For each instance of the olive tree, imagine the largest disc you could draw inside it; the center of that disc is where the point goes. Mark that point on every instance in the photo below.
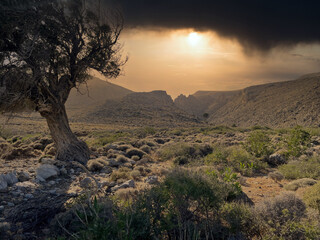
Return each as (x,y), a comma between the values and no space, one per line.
(48,47)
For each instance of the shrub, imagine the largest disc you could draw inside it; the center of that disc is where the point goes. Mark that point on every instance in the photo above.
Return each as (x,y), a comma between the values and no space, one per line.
(96,164)
(183,151)
(301,169)
(235,157)
(284,207)
(276,176)
(122,174)
(312,197)
(241,220)
(300,183)
(297,141)
(258,143)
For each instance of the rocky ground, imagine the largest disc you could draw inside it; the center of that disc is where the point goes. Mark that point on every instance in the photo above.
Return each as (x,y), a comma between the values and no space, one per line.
(34,187)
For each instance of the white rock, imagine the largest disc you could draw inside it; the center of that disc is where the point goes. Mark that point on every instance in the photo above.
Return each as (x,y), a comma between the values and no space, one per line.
(46,171)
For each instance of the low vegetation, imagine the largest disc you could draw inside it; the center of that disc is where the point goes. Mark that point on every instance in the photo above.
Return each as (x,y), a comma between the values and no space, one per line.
(187,183)
(297,169)
(188,205)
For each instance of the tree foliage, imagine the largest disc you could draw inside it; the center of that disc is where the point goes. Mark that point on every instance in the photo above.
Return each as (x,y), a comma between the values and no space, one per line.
(48,47)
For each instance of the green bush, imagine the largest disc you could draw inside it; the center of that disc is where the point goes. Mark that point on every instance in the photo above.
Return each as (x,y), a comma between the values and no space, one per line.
(284,217)
(187,205)
(182,153)
(259,144)
(301,169)
(235,157)
(241,220)
(297,141)
(312,197)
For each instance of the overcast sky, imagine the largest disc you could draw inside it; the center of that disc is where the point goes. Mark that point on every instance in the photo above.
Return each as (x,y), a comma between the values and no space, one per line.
(183,46)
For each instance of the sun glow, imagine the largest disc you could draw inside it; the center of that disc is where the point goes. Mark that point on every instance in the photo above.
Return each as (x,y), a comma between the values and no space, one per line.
(194,39)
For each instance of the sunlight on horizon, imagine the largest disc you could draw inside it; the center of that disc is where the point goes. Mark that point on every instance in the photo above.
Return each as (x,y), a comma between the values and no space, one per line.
(185,61)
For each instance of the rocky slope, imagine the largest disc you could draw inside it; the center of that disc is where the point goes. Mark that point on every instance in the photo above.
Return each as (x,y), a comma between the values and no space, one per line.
(94,94)
(279,104)
(154,108)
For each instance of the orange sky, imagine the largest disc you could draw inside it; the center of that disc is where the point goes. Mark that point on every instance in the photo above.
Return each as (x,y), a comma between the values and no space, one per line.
(178,62)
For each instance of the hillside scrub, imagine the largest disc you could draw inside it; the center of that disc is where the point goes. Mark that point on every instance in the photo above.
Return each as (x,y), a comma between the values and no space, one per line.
(186,205)
(183,153)
(297,141)
(312,197)
(236,158)
(297,169)
(259,144)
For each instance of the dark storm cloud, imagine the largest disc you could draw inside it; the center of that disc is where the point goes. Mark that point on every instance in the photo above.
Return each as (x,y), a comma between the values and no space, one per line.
(256,24)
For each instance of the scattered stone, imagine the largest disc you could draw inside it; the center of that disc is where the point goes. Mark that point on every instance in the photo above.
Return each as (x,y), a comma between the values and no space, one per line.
(53,191)
(3,184)
(127,184)
(11,178)
(28,196)
(113,163)
(1,208)
(23,176)
(86,183)
(152,180)
(106,170)
(276,159)
(46,171)
(51,182)
(63,171)
(10,204)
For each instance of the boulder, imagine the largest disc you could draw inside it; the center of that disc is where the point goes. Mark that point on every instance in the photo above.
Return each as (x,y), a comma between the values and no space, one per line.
(23,176)
(276,159)
(46,171)
(11,178)
(127,184)
(86,183)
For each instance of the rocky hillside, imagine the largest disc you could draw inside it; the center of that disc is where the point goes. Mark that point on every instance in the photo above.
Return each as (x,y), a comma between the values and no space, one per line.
(154,108)
(94,94)
(276,104)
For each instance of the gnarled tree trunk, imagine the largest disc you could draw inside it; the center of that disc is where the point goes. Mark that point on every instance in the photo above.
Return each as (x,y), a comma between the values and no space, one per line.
(69,147)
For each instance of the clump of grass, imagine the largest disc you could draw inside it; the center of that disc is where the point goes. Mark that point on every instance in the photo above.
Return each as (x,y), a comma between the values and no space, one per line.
(312,197)
(235,157)
(146,131)
(300,183)
(301,169)
(122,174)
(103,138)
(183,153)
(96,164)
